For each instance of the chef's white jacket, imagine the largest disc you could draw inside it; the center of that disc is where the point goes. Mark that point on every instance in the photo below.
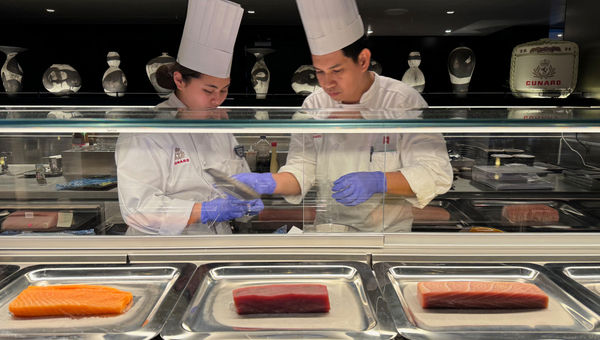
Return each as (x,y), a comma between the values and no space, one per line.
(319,159)
(161,177)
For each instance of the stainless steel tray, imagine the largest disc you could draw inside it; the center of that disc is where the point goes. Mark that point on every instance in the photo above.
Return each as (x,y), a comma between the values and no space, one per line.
(155,289)
(490,212)
(591,207)
(206,309)
(6,270)
(581,279)
(565,317)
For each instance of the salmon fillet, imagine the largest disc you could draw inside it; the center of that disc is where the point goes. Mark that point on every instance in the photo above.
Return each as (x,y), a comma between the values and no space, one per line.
(282,298)
(67,300)
(480,295)
(530,213)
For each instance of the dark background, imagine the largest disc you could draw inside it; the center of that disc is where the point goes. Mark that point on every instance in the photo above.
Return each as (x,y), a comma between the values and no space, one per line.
(84,46)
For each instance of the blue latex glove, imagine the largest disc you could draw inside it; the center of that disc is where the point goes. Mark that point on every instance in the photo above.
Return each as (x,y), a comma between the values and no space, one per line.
(357,187)
(225,209)
(262,183)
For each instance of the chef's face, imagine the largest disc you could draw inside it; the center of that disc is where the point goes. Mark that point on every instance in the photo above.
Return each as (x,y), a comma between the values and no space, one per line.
(342,78)
(204,92)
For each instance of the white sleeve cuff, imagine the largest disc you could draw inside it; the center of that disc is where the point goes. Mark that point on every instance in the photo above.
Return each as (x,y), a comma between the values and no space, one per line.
(424,188)
(298,174)
(176,218)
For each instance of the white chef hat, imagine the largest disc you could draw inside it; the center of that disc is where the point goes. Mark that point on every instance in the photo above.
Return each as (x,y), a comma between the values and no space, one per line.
(211,27)
(330,25)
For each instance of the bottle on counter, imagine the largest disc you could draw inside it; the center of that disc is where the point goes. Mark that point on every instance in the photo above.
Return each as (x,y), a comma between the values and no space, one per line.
(251,159)
(79,139)
(263,158)
(274,165)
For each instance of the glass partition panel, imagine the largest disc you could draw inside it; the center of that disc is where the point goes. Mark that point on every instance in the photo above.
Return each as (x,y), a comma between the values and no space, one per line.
(138,171)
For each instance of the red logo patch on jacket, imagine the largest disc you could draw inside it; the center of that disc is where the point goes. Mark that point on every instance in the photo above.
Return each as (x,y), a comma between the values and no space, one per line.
(180,157)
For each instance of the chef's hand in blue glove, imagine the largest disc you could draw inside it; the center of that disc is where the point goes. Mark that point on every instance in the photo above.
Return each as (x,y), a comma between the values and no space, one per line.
(262,183)
(225,209)
(357,187)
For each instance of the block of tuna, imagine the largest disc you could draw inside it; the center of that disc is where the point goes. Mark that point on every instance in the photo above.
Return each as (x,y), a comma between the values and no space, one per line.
(282,298)
(31,221)
(306,214)
(480,295)
(431,214)
(69,300)
(523,213)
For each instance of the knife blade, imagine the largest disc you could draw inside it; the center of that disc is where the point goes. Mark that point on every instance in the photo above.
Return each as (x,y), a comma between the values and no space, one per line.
(232,186)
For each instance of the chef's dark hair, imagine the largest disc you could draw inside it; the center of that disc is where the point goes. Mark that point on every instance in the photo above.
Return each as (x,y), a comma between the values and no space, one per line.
(353,50)
(164,75)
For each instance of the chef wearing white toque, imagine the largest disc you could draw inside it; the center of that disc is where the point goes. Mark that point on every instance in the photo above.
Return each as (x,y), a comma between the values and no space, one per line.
(352,172)
(163,188)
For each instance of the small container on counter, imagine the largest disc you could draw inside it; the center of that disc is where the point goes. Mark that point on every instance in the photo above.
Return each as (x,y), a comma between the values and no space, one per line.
(251,159)
(500,159)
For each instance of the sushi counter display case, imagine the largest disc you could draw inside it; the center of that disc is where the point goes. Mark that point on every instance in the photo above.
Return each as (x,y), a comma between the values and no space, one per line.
(369,285)
(382,301)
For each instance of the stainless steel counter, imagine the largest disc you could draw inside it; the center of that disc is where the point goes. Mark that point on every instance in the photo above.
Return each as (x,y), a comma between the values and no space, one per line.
(22,189)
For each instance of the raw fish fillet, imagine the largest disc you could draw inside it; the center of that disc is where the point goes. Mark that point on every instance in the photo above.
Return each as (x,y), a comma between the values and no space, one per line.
(282,298)
(306,214)
(480,295)
(38,221)
(530,213)
(67,300)
(429,213)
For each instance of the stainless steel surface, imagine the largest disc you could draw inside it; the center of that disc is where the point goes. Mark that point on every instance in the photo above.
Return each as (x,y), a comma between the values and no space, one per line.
(206,309)
(26,189)
(30,147)
(588,206)
(561,187)
(88,162)
(232,186)
(565,317)
(57,206)
(582,279)
(6,271)
(155,290)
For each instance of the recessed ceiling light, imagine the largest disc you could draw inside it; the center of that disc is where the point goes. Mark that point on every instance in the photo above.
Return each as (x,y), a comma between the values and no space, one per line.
(251,12)
(395,11)
(369,30)
(450,12)
(50,10)
(448,31)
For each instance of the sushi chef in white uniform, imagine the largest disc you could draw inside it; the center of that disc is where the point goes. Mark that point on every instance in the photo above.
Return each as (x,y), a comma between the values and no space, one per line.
(163,188)
(352,172)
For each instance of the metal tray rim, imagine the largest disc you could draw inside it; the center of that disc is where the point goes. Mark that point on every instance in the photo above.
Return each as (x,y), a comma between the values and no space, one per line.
(578,290)
(411,331)
(148,329)
(384,328)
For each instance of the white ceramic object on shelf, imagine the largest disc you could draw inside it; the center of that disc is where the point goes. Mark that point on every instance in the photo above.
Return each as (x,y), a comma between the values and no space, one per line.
(260,74)
(375,66)
(114,81)
(11,72)
(414,76)
(304,80)
(461,64)
(544,69)
(61,80)
(152,66)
